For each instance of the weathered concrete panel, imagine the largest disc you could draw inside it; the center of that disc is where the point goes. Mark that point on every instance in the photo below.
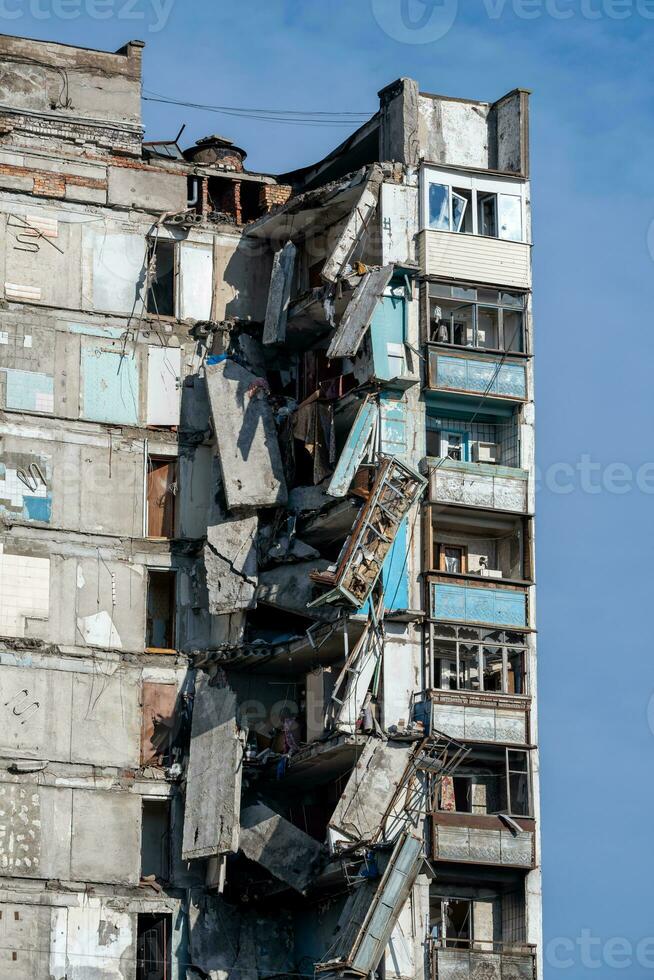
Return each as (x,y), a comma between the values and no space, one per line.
(115,274)
(213,781)
(250,460)
(146,189)
(280,847)
(106,837)
(25,941)
(110,382)
(35,830)
(105,718)
(35,713)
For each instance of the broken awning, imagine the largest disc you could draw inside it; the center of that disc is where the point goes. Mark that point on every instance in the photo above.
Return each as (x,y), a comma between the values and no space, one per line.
(359,312)
(213,781)
(248,447)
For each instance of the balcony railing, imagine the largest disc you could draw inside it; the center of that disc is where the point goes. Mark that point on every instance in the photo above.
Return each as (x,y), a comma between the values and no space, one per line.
(477,601)
(477,716)
(493,961)
(471,838)
(477,374)
(474,258)
(452,481)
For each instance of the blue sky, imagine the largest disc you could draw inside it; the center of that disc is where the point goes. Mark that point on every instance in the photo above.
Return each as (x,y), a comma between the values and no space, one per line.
(592,149)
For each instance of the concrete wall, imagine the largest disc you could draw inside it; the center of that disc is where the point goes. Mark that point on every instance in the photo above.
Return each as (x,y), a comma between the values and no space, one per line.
(49,831)
(64,936)
(65,710)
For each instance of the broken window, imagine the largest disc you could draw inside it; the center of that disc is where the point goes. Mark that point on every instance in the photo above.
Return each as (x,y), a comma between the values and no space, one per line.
(155,839)
(517,769)
(450,922)
(160,614)
(494,779)
(153,946)
(160,298)
(495,662)
(488,319)
(161,495)
(476,206)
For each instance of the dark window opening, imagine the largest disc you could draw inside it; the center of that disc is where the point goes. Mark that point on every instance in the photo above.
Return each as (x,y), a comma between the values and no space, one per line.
(250,201)
(153,952)
(161,493)
(160,618)
(225,200)
(161,278)
(451,922)
(155,839)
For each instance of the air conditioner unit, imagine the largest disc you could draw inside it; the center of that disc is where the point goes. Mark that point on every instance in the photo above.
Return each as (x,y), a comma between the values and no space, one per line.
(485,452)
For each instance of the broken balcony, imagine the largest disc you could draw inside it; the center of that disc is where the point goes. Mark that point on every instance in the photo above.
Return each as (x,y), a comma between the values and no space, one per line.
(478,925)
(483,813)
(479,684)
(475,461)
(468,554)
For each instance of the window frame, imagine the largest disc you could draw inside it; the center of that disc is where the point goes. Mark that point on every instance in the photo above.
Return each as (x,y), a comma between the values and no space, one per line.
(475,305)
(479,186)
(482,644)
(526,772)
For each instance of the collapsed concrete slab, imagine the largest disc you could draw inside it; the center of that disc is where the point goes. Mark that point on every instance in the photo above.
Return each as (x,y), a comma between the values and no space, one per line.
(369,792)
(277,845)
(356,319)
(289,588)
(248,447)
(213,781)
(230,561)
(355,226)
(274,328)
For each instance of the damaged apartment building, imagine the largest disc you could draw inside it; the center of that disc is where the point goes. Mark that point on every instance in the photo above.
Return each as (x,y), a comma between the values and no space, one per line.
(267,648)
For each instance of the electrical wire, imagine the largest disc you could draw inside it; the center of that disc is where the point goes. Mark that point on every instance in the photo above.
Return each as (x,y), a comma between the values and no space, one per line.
(298,117)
